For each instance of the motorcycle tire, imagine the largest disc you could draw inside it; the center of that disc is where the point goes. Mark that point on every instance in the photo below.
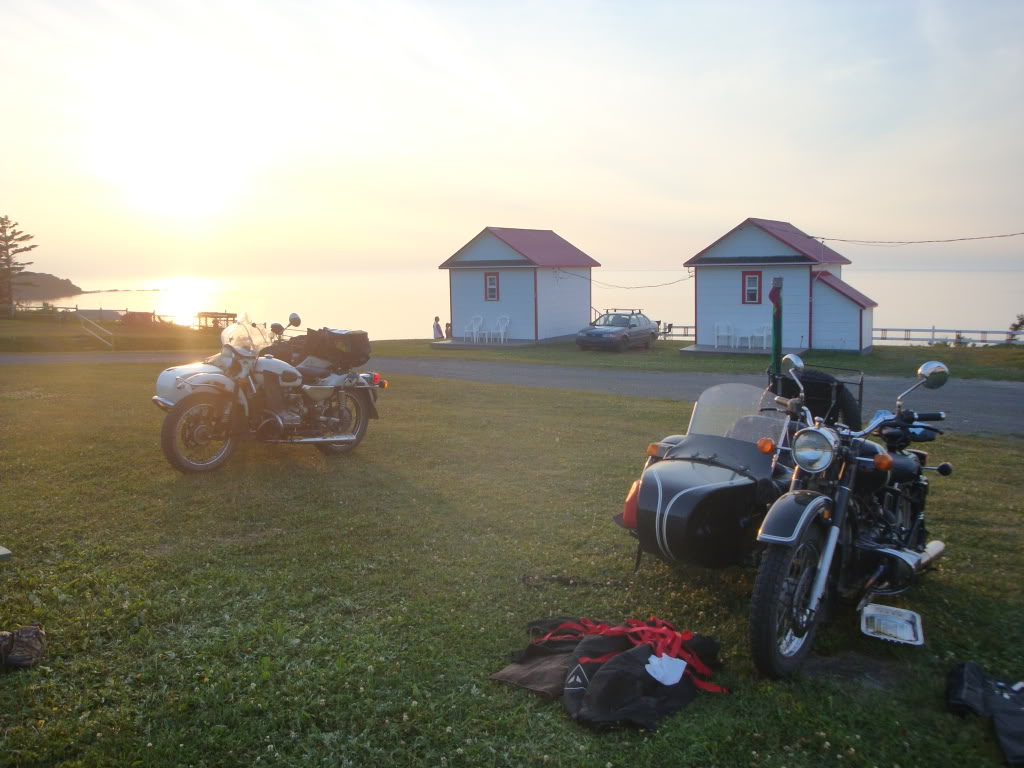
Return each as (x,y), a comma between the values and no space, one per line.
(189,437)
(785,576)
(360,422)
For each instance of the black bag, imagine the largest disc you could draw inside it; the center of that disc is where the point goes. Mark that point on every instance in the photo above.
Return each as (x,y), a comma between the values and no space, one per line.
(969,689)
(347,349)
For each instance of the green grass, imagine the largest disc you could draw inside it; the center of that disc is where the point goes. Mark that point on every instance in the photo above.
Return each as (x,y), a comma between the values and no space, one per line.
(50,334)
(997,362)
(297,610)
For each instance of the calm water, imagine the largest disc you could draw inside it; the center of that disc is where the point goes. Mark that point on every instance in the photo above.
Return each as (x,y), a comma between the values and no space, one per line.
(401,304)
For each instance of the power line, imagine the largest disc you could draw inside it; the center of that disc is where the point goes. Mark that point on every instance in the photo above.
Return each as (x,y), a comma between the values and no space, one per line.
(914,242)
(623,287)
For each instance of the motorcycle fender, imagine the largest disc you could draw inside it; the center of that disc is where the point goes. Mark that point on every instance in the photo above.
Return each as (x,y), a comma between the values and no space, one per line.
(208,382)
(789,517)
(371,401)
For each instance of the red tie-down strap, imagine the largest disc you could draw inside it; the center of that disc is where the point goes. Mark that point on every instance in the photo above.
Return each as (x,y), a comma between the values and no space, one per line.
(663,638)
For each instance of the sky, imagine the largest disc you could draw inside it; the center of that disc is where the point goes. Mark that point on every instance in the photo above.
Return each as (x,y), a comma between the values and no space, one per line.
(143,139)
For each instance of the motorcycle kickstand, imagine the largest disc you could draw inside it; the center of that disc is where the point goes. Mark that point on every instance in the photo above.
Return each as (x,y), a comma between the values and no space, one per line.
(639,554)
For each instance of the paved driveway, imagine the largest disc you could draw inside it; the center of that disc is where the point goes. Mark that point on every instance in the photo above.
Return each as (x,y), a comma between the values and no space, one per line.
(974,406)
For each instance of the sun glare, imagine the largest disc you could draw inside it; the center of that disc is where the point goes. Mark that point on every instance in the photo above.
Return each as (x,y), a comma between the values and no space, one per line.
(179,299)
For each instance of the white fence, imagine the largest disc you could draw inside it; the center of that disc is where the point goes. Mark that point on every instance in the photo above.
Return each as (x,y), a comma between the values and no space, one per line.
(935,335)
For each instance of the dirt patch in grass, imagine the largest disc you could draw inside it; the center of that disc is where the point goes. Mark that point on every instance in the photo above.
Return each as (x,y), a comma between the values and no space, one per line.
(857,669)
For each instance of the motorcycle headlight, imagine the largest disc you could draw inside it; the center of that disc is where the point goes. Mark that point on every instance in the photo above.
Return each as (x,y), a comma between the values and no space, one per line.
(814,449)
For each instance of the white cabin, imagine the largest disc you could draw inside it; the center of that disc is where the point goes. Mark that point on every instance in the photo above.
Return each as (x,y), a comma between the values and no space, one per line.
(734,274)
(535,278)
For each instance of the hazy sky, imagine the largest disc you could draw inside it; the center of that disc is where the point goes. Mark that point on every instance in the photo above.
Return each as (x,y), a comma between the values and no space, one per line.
(149,139)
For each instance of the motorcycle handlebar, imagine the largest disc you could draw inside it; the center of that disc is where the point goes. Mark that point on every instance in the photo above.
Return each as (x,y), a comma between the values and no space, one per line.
(926,416)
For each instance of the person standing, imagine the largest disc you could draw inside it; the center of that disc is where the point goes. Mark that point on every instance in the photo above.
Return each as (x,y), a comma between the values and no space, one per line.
(438,333)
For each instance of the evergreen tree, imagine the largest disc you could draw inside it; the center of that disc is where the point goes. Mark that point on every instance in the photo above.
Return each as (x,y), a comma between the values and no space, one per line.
(12,242)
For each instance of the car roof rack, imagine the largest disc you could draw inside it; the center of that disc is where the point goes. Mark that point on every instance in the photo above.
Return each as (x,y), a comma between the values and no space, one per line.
(631,311)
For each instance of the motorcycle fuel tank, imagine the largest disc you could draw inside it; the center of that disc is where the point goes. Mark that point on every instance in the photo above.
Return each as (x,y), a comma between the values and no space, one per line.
(698,513)
(288,375)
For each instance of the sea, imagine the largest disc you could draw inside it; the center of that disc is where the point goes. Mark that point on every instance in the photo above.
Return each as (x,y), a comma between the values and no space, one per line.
(401,303)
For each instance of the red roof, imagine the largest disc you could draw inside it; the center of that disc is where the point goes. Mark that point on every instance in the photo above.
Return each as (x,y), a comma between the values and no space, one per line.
(809,248)
(541,247)
(845,289)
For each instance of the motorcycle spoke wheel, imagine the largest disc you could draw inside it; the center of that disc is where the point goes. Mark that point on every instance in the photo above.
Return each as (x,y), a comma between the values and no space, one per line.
(781,633)
(192,438)
(352,415)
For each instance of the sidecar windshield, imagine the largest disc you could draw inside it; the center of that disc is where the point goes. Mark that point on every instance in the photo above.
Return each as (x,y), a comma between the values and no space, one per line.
(245,337)
(738,411)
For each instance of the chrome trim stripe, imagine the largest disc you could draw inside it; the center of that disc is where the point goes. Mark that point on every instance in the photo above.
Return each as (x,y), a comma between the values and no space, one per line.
(663,518)
(163,403)
(810,509)
(657,516)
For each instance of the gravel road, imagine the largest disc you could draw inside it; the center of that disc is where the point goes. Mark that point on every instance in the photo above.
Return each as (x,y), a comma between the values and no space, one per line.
(973,406)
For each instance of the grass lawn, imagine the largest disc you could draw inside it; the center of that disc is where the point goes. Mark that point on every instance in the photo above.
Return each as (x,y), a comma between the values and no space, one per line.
(48,334)
(297,610)
(998,362)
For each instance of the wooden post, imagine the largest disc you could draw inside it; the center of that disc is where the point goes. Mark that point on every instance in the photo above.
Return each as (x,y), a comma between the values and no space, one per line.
(775,296)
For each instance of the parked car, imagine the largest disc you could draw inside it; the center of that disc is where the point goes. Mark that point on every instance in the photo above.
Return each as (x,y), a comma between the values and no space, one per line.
(618,329)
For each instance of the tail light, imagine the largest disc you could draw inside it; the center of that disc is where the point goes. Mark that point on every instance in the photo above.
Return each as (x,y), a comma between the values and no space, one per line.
(376,379)
(629,508)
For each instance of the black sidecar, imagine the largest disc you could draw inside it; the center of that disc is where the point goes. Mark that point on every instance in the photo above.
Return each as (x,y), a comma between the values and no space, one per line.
(702,497)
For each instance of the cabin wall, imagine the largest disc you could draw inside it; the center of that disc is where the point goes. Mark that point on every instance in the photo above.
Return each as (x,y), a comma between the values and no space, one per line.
(489,248)
(750,242)
(867,325)
(837,320)
(563,301)
(515,300)
(719,294)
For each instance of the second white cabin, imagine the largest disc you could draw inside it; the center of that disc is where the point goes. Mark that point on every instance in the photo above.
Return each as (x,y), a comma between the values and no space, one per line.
(734,274)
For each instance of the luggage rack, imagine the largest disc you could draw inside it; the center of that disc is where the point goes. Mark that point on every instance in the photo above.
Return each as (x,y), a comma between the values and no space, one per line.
(849,377)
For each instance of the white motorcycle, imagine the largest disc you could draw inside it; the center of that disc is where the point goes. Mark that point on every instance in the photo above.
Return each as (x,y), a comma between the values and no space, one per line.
(268,386)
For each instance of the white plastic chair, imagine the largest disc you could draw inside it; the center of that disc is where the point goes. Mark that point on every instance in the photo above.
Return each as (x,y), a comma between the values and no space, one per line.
(764,334)
(473,328)
(501,328)
(724,331)
(741,335)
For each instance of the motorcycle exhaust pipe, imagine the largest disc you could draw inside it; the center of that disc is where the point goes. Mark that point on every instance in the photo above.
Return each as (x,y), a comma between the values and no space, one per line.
(310,440)
(932,551)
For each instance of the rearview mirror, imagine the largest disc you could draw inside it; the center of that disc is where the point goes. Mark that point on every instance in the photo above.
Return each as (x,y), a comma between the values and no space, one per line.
(793,362)
(294,319)
(934,374)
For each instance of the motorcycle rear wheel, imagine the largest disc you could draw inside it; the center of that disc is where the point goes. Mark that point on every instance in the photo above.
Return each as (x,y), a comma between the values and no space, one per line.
(780,638)
(354,411)
(191,436)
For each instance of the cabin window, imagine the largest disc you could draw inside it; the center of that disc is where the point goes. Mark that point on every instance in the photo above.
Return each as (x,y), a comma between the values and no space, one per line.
(751,287)
(492,291)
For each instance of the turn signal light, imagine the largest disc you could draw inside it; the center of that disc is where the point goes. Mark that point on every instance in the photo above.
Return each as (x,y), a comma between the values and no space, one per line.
(882,461)
(629,508)
(383,383)
(766,445)
(654,449)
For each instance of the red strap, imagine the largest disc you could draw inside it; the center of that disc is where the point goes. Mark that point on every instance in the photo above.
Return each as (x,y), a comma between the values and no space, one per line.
(664,639)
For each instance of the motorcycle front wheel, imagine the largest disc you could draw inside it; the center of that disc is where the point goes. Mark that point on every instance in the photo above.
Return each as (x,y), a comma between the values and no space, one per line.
(780,633)
(353,414)
(192,437)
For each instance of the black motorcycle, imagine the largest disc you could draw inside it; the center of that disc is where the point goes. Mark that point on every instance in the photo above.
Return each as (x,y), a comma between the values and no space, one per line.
(851,527)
